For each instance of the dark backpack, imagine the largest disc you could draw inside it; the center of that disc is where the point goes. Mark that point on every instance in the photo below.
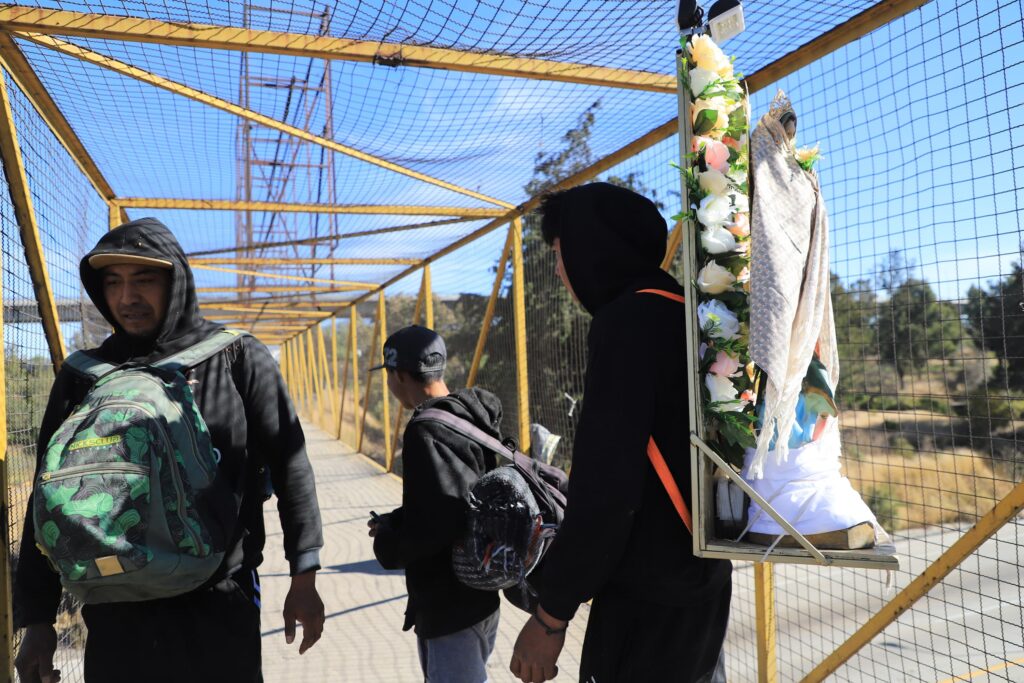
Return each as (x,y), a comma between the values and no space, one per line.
(513,514)
(123,503)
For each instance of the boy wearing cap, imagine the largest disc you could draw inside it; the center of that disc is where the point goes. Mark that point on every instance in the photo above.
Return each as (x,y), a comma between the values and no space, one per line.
(139,278)
(455,625)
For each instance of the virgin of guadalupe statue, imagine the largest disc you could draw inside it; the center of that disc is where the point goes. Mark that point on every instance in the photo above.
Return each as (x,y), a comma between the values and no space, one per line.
(793,344)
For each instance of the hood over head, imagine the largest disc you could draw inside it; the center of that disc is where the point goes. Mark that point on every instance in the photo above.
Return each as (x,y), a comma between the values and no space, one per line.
(147,239)
(611,239)
(477,405)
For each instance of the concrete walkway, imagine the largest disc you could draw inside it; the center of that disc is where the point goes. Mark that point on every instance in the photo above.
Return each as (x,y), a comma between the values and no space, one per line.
(363,640)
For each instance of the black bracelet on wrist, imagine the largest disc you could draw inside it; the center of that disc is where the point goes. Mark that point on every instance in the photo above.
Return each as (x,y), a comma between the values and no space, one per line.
(548,631)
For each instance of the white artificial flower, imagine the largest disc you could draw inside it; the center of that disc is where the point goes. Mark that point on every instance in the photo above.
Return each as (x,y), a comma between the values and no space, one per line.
(716,317)
(722,390)
(741,202)
(700,79)
(721,107)
(717,240)
(713,182)
(714,211)
(714,279)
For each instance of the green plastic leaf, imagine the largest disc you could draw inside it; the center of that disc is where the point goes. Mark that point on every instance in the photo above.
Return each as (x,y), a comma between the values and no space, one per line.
(705,121)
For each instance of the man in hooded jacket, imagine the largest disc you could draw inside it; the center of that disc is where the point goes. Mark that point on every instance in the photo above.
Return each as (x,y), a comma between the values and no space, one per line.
(139,279)
(659,613)
(455,625)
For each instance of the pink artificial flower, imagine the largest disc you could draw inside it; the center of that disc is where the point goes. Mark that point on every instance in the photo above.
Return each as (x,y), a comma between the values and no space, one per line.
(740,225)
(725,365)
(697,142)
(716,154)
(731,142)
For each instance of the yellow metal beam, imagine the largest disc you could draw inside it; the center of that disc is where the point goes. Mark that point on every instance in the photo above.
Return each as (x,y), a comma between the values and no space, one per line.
(368,384)
(353,350)
(519,325)
(27,79)
(675,240)
(285,207)
(850,30)
(485,327)
(324,47)
(764,609)
(272,289)
(24,213)
(6,603)
(336,236)
(1003,512)
(124,69)
(246,261)
(280,312)
(280,276)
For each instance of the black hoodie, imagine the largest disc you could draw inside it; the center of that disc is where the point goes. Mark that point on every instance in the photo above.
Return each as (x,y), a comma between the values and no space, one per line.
(439,467)
(245,405)
(621,535)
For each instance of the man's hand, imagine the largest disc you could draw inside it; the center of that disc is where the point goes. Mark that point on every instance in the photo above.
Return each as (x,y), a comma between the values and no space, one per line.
(374,525)
(536,652)
(35,656)
(304,605)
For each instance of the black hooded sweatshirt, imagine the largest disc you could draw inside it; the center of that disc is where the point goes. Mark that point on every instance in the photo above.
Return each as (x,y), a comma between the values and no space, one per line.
(243,400)
(439,467)
(621,535)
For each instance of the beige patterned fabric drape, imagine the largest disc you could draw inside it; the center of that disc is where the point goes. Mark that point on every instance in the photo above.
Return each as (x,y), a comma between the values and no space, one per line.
(790,301)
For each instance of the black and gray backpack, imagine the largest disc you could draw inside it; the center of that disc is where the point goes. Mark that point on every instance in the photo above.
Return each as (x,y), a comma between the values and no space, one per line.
(513,514)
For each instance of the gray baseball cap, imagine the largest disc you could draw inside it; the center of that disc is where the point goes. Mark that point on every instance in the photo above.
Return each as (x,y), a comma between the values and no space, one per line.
(414,349)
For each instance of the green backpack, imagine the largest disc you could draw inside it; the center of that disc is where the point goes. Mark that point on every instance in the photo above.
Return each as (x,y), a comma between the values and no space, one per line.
(124,503)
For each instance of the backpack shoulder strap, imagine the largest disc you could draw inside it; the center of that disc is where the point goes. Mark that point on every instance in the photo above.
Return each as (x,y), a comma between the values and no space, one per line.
(197,353)
(464,427)
(88,366)
(669,482)
(678,298)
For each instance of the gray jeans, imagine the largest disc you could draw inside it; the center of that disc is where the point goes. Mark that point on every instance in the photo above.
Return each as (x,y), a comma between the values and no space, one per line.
(459,657)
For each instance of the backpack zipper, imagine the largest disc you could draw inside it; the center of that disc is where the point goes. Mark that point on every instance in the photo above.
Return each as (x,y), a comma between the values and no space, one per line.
(96,468)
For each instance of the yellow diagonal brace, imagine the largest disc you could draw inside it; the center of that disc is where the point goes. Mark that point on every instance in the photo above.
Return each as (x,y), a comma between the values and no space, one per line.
(280,276)
(289,207)
(124,69)
(1003,512)
(324,47)
(27,79)
(24,213)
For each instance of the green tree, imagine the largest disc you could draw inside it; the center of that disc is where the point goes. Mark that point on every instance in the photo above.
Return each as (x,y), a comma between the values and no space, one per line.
(995,320)
(914,327)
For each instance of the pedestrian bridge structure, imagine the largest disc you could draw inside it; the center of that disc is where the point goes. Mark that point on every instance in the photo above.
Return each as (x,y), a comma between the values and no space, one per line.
(336,170)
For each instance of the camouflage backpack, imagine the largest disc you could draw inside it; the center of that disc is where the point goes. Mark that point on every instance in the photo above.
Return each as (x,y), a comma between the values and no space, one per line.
(124,504)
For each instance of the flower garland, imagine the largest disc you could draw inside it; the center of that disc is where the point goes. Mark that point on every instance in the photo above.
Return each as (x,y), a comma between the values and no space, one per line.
(715,173)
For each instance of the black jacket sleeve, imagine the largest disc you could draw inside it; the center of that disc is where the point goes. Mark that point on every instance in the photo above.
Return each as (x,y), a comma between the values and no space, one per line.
(275,439)
(36,585)
(434,485)
(609,463)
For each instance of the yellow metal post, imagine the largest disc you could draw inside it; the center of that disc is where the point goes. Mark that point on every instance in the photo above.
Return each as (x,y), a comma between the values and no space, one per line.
(385,418)
(485,327)
(369,377)
(24,213)
(7,647)
(325,377)
(764,608)
(428,297)
(335,397)
(114,215)
(307,373)
(519,323)
(353,342)
(314,374)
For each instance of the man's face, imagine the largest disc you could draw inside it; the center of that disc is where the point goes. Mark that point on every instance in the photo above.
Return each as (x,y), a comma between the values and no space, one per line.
(398,385)
(137,296)
(560,267)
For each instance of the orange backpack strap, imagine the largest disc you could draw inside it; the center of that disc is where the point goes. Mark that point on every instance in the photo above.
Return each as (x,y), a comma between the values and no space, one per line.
(679,298)
(654,453)
(661,467)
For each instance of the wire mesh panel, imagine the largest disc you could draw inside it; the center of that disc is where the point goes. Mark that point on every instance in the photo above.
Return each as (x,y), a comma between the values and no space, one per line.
(70,217)
(917,125)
